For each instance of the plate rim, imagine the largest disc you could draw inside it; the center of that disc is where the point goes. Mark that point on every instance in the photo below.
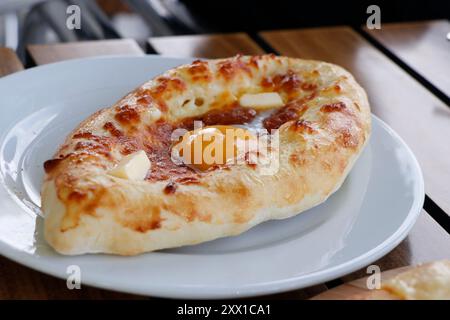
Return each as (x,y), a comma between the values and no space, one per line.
(252,290)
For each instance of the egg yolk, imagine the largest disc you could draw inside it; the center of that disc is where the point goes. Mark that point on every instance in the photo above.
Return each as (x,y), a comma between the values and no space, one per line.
(214,145)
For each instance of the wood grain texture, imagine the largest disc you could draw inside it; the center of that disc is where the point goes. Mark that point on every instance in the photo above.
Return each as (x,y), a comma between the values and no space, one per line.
(19,282)
(421,119)
(9,62)
(421,45)
(301,294)
(205,46)
(49,53)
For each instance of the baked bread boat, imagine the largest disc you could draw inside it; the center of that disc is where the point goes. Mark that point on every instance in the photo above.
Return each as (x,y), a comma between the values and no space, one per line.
(120,184)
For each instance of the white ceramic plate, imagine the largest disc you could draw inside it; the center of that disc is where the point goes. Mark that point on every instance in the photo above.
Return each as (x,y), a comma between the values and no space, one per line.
(371,213)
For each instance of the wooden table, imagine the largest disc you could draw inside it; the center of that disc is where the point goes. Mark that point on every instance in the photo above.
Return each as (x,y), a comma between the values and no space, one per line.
(402,68)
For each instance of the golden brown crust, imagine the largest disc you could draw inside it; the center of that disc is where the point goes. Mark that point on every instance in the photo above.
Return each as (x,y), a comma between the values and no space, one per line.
(322,129)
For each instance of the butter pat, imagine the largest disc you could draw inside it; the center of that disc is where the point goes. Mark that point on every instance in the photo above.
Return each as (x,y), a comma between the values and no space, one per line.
(261,101)
(134,166)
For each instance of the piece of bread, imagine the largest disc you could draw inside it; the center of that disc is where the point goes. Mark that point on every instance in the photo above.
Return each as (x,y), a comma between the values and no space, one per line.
(323,127)
(429,281)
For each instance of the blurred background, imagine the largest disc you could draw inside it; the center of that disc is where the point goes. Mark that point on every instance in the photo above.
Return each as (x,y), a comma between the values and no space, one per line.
(24,22)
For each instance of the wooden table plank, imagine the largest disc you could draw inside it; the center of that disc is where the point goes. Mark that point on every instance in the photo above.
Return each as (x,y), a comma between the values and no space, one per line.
(9,62)
(301,294)
(423,46)
(48,53)
(205,46)
(19,282)
(417,115)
